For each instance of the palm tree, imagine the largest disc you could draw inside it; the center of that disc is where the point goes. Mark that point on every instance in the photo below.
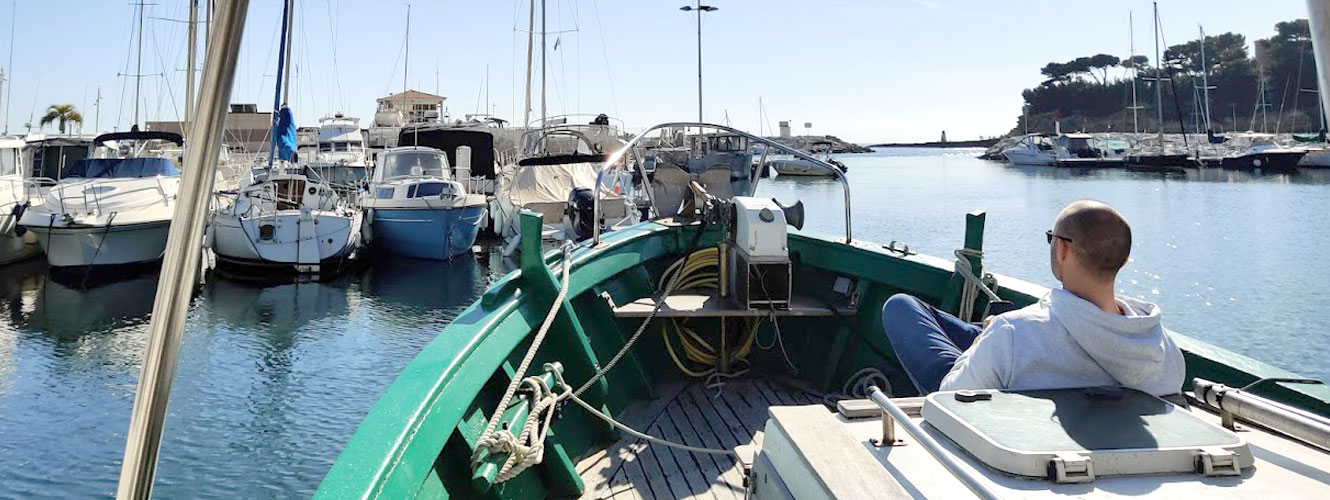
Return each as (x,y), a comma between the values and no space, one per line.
(62,113)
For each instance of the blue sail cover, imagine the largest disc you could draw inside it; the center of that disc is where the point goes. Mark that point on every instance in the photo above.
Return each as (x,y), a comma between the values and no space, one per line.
(285,134)
(106,168)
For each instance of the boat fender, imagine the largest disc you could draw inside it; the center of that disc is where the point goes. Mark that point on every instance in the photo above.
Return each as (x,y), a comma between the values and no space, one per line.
(17,212)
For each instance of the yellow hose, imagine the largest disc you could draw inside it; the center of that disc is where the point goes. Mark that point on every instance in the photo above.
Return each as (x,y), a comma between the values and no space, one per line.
(701,272)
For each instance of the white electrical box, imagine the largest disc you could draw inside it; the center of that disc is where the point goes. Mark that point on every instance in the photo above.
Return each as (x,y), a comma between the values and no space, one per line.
(759,230)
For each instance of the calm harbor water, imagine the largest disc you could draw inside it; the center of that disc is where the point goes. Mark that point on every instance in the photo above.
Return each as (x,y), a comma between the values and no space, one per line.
(273,380)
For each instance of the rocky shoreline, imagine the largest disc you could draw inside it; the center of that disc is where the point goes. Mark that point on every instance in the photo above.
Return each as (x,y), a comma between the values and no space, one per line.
(805,143)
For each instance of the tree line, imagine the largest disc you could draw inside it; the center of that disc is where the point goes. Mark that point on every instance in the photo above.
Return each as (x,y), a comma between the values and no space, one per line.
(1094,93)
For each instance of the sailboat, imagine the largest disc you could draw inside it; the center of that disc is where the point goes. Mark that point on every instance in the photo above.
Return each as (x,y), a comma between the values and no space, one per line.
(1158,155)
(556,169)
(284,216)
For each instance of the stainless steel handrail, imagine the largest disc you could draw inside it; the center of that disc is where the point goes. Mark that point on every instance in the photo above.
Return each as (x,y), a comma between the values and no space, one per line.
(1232,402)
(180,261)
(618,157)
(954,466)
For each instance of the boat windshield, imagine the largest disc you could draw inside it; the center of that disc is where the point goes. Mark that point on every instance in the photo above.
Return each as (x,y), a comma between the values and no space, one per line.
(106,168)
(334,146)
(414,163)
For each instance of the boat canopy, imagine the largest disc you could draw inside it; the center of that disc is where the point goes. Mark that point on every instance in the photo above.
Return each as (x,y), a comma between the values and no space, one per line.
(107,168)
(550,183)
(135,134)
(448,139)
(1320,137)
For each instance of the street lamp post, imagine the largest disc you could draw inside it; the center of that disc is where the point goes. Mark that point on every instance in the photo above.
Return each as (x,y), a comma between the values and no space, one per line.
(700,9)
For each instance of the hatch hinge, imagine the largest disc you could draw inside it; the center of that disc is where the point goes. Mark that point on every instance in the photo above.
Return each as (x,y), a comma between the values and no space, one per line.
(1217,462)
(1070,468)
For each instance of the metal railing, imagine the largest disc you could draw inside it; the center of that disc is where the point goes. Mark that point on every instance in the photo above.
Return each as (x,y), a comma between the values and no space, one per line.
(618,157)
(949,461)
(1234,403)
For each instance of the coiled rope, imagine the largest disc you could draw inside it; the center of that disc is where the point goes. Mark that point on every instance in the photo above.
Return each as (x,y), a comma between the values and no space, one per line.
(527,449)
(973,284)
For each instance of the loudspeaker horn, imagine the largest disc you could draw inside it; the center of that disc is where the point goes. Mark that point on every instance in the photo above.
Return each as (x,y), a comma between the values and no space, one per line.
(794,214)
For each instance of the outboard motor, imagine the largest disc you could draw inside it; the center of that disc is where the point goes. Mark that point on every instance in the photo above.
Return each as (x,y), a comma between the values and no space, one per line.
(581,212)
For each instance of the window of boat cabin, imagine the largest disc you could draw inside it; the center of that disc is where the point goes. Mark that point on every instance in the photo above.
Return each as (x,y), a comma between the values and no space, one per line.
(410,163)
(9,161)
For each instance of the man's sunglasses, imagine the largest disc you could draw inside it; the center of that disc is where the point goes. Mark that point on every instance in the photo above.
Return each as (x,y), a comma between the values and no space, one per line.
(1050,235)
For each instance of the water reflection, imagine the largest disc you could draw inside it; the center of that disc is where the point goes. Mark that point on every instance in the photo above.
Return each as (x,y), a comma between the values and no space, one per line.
(424,285)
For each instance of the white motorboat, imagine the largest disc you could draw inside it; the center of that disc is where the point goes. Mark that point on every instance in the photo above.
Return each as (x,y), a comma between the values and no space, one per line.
(15,243)
(284,219)
(804,168)
(340,158)
(109,210)
(416,208)
(1033,149)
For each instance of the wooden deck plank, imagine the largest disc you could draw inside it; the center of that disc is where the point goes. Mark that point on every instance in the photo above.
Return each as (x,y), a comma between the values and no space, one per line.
(703,473)
(668,469)
(726,481)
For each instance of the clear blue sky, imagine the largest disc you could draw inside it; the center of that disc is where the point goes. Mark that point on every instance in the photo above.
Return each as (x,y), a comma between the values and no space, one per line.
(880,70)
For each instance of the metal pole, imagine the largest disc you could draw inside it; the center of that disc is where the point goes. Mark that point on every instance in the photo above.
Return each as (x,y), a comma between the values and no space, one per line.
(9,94)
(1131,43)
(180,262)
(138,72)
(963,474)
(1205,80)
(189,66)
(699,61)
(530,41)
(1159,83)
(1318,14)
(406,59)
(290,42)
(543,55)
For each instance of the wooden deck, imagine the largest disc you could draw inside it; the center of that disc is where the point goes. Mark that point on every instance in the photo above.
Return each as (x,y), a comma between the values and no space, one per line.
(724,417)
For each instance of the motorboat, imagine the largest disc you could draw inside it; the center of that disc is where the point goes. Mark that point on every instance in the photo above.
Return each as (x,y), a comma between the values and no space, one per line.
(417,209)
(284,218)
(554,177)
(339,156)
(15,243)
(797,167)
(1034,149)
(1264,154)
(112,208)
(720,353)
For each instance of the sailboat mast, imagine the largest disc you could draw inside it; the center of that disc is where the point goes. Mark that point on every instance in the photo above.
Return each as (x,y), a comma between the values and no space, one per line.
(1205,80)
(290,32)
(543,56)
(530,42)
(406,60)
(1131,44)
(1159,81)
(192,55)
(138,72)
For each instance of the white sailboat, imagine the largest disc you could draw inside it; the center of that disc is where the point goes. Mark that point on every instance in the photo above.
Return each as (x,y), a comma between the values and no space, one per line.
(284,217)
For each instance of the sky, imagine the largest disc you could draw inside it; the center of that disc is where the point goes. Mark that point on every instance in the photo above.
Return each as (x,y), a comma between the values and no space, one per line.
(866,71)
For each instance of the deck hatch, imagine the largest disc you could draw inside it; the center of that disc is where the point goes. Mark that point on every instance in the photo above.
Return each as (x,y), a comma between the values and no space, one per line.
(1116,431)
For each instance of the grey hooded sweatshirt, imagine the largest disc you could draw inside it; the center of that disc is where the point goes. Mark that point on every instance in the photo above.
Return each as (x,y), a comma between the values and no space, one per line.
(1065,341)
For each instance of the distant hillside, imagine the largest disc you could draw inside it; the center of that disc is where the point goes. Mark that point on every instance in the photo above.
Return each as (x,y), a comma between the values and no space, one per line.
(1093,93)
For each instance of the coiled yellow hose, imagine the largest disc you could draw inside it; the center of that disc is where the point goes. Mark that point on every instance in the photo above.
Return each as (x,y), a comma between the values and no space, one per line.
(702,272)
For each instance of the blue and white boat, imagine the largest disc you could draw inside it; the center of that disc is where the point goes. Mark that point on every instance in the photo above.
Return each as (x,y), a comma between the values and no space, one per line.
(417,209)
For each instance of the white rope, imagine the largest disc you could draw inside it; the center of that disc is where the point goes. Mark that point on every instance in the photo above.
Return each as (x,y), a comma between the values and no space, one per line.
(568,394)
(973,284)
(503,441)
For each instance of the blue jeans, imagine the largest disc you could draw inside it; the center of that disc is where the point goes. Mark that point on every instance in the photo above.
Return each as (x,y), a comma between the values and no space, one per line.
(927,341)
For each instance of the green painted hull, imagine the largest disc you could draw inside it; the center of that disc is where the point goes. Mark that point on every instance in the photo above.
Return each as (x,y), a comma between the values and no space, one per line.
(417,440)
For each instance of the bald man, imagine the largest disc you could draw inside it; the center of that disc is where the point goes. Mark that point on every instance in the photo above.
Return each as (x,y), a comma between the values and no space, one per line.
(1079,335)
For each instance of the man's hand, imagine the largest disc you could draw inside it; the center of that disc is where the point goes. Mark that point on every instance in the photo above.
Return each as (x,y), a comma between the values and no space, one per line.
(988,321)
